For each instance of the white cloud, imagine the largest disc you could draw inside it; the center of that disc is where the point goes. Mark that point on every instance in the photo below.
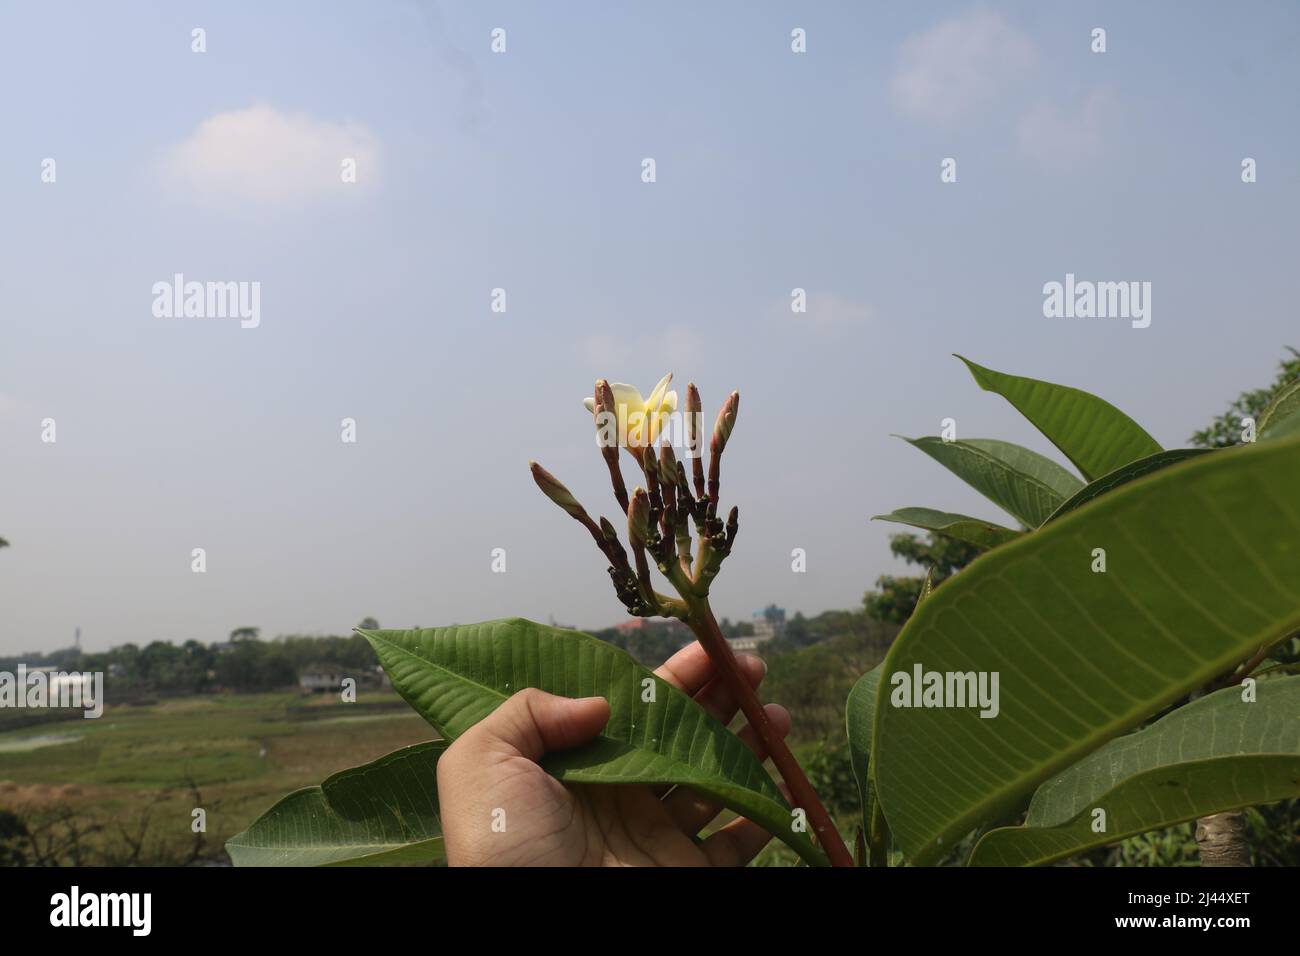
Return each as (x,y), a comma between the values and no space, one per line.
(960,66)
(261,155)
(1056,137)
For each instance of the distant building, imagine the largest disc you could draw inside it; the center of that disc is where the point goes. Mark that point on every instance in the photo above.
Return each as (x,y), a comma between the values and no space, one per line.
(320,679)
(768,624)
(328,678)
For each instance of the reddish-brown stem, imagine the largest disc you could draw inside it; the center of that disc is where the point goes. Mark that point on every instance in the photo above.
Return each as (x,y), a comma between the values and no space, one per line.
(706,628)
(1248,668)
(715,463)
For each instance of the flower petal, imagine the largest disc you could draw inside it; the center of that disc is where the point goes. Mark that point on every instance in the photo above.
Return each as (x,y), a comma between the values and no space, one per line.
(657,396)
(627,398)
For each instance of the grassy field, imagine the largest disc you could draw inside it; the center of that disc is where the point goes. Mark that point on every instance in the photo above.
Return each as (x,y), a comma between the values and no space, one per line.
(121,789)
(127,783)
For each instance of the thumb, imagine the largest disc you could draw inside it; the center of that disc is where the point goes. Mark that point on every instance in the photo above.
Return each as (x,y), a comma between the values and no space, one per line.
(532,722)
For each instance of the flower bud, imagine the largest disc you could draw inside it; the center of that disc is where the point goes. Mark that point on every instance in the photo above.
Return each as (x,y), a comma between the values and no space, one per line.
(552,488)
(638,518)
(607,418)
(694,421)
(617,556)
(667,466)
(725,423)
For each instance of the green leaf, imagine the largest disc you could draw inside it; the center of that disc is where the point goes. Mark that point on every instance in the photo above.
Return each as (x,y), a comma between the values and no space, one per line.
(381,812)
(1023,482)
(982,534)
(1217,753)
(1202,569)
(456,676)
(1282,416)
(1092,433)
(1283,428)
(860,713)
(1122,476)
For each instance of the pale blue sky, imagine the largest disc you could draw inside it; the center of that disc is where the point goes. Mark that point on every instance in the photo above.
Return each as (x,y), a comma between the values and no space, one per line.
(522,170)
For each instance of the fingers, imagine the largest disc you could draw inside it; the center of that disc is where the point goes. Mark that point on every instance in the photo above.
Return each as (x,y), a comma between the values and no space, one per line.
(492,768)
(720,700)
(778,719)
(691,672)
(533,722)
(691,811)
(688,670)
(735,844)
(740,840)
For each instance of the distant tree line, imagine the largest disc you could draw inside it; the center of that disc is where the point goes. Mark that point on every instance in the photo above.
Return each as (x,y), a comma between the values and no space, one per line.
(243,663)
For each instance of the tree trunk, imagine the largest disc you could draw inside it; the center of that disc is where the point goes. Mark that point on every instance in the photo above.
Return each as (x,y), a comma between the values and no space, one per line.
(1222,839)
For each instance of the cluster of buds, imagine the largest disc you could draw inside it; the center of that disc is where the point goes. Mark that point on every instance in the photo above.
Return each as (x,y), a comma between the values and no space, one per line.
(660,514)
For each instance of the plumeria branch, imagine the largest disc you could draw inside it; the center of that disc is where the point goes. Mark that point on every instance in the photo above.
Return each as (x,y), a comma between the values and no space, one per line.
(627,584)
(659,516)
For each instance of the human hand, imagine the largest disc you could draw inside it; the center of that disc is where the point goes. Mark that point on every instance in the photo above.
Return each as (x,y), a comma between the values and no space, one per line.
(493,767)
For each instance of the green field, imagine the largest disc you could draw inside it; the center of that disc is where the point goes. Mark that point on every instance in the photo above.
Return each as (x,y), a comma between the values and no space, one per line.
(122,788)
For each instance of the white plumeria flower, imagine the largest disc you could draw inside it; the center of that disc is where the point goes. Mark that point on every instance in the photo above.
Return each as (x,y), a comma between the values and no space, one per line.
(640,420)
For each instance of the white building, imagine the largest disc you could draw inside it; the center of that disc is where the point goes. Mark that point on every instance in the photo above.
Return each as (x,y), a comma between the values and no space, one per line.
(767,624)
